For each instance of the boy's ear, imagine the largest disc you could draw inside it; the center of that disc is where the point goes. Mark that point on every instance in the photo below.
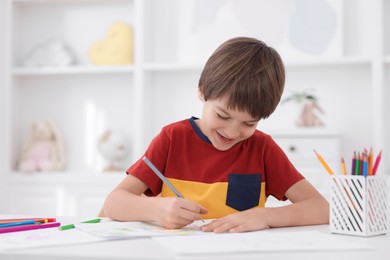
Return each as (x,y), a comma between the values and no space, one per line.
(200,95)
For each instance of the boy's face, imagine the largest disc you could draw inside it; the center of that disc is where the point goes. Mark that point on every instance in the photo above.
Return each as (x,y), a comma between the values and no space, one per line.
(225,127)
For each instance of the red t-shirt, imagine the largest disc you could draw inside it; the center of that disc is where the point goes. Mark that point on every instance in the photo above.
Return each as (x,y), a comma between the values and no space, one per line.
(222,181)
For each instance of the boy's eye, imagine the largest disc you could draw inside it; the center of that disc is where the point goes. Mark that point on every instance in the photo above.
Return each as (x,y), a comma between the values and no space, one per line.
(222,117)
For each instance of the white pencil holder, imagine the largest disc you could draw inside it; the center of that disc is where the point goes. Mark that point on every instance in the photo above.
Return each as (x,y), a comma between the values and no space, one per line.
(358,205)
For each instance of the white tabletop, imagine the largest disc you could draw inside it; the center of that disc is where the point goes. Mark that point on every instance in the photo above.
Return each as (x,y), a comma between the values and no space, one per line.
(146,248)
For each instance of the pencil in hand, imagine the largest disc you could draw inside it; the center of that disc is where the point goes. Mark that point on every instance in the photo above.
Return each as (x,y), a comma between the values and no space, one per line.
(163,179)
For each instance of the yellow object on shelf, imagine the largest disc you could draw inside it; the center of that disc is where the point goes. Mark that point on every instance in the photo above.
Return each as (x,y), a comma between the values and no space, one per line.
(116,48)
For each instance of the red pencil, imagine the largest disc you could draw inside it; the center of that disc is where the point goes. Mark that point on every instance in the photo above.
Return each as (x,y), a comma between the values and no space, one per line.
(377,160)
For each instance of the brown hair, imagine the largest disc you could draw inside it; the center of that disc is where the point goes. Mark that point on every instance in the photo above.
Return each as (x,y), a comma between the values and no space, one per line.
(249,71)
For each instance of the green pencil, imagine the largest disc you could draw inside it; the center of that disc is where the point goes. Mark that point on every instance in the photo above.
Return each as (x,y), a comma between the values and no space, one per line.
(70,226)
(66,227)
(357,167)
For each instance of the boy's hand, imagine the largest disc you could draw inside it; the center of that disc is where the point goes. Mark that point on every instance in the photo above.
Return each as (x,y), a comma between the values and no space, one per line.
(248,220)
(176,212)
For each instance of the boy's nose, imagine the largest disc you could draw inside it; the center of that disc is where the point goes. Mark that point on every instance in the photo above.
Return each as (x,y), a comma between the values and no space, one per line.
(232,132)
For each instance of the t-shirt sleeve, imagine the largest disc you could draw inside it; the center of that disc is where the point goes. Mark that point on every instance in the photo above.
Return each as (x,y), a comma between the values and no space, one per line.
(280,172)
(157,154)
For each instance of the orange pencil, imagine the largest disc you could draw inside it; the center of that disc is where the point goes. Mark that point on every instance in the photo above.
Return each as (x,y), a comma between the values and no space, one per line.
(370,162)
(322,161)
(377,160)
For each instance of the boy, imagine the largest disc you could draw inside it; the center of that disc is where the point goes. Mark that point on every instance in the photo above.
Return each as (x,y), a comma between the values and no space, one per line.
(224,167)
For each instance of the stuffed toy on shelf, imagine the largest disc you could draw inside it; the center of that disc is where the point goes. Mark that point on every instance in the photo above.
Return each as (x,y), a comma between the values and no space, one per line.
(115,149)
(43,149)
(310,115)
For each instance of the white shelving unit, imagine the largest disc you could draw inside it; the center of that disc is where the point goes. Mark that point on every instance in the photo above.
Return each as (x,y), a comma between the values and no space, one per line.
(159,88)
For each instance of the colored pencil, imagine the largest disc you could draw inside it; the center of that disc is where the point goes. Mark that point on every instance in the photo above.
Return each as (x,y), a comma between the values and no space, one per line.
(370,162)
(343,167)
(324,164)
(377,160)
(70,226)
(357,167)
(40,220)
(29,227)
(20,223)
(353,163)
(365,164)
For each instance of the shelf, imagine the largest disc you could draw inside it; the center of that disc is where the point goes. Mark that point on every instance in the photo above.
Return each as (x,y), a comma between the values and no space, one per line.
(66,1)
(342,61)
(65,177)
(72,70)
(172,66)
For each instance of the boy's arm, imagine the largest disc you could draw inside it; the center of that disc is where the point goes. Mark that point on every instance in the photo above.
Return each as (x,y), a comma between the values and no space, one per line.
(125,203)
(308,207)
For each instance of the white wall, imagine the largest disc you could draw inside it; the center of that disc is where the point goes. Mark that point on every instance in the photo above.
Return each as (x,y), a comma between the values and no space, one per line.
(2,101)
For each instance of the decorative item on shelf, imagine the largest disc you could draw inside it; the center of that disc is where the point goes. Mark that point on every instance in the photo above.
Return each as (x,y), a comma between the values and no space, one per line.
(116,48)
(115,149)
(43,149)
(53,53)
(309,115)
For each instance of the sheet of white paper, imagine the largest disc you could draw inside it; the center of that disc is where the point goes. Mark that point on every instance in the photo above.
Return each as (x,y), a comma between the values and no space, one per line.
(128,230)
(256,242)
(44,238)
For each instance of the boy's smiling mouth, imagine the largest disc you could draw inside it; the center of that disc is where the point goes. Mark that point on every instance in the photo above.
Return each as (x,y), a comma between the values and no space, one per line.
(225,139)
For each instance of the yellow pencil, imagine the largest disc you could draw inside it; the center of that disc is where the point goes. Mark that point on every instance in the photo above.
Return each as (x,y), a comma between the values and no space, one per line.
(322,161)
(343,168)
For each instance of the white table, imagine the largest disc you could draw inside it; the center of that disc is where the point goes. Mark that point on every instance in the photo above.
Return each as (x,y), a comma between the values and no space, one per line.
(146,248)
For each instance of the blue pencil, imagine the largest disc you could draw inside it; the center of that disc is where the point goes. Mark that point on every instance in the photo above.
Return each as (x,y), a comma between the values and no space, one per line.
(14,224)
(365,165)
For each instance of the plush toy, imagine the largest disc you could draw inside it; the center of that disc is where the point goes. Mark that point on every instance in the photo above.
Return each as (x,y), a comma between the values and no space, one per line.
(310,112)
(115,48)
(53,53)
(309,116)
(114,148)
(43,149)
